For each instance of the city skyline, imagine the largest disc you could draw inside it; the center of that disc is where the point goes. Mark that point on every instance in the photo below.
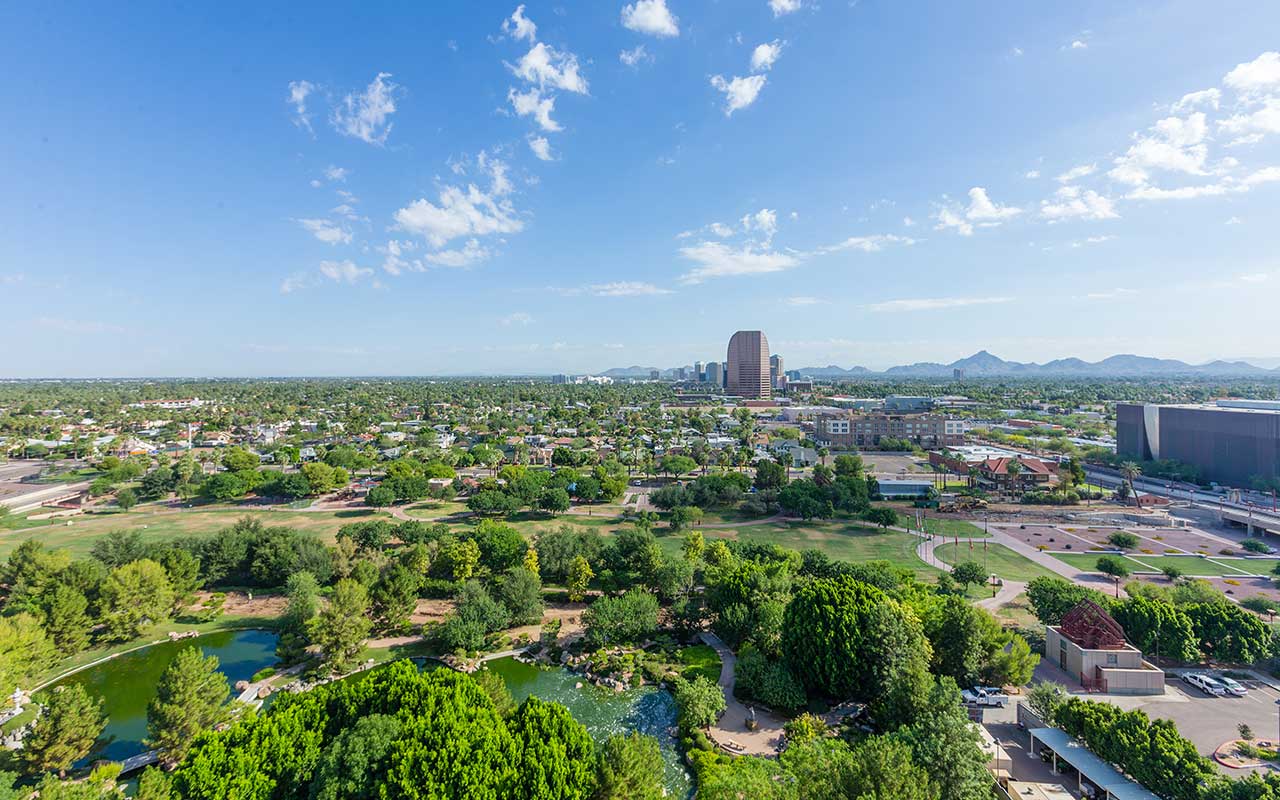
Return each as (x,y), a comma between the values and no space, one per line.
(540,188)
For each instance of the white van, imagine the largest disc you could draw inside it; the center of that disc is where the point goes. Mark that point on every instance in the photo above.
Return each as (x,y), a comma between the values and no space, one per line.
(1205,684)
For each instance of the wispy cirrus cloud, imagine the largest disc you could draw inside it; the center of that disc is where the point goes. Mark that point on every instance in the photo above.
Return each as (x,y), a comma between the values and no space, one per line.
(934,303)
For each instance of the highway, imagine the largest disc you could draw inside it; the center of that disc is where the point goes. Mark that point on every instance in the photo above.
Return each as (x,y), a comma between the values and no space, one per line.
(1255,505)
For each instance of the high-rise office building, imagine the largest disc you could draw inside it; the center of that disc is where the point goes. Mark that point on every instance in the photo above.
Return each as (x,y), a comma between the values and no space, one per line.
(697,372)
(776,375)
(715,373)
(747,365)
(654,374)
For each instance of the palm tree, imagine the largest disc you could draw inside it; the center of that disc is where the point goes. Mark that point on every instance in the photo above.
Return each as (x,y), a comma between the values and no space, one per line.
(1130,471)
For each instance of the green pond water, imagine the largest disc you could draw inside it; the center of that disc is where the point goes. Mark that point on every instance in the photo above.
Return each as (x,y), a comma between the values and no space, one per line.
(648,710)
(127,683)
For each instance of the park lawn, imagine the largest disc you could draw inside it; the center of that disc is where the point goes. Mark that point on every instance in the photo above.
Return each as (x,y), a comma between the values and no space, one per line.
(430,509)
(77,534)
(730,515)
(838,540)
(951,528)
(1016,613)
(1190,565)
(700,659)
(1000,560)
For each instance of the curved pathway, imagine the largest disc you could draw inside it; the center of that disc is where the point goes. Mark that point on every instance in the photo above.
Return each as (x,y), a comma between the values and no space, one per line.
(730,732)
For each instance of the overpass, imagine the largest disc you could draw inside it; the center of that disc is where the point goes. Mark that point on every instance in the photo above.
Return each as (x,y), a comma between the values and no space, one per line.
(1254,520)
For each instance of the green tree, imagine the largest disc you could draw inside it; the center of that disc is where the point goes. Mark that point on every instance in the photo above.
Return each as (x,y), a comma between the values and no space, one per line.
(683,516)
(135,597)
(237,459)
(554,500)
(627,619)
(154,784)
(963,637)
(1115,568)
(629,768)
(824,634)
(190,698)
(770,476)
(943,738)
(881,516)
(968,573)
(394,596)
(579,578)
(341,627)
(1123,540)
(883,768)
(699,702)
(557,756)
(304,603)
(1045,698)
(380,497)
(1157,627)
(66,619)
(25,651)
(126,498)
(520,591)
(1228,633)
(1052,597)
(66,731)
(356,761)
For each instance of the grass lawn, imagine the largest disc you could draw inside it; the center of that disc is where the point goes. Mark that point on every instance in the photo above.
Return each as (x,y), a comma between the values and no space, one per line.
(431,509)
(999,559)
(1190,565)
(951,528)
(839,540)
(156,523)
(700,659)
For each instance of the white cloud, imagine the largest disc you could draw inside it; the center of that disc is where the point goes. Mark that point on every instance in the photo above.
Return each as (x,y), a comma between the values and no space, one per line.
(546,66)
(1079,44)
(1017,51)
(295,282)
(634,56)
(765,55)
(717,260)
(1252,126)
(518,318)
(934,303)
(365,116)
(1174,144)
(1032,174)
(908,222)
(983,209)
(1070,202)
(518,26)
(982,212)
(1234,221)
(393,263)
(651,17)
(781,7)
(470,253)
(540,147)
(627,289)
(1205,97)
(458,212)
(343,271)
(1110,294)
(764,222)
(867,244)
(336,174)
(315,183)
(720,229)
(326,231)
(1258,76)
(299,91)
(1224,186)
(802,301)
(739,92)
(1075,173)
(533,103)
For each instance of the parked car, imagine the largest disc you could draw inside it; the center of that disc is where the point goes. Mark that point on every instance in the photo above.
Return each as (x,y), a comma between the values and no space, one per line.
(1231,686)
(1205,684)
(985,696)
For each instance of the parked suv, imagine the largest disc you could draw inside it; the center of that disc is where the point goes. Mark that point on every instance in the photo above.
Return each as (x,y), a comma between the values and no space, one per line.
(1205,684)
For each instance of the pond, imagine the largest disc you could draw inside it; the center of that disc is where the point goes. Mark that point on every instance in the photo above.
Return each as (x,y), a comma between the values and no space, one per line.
(648,710)
(127,683)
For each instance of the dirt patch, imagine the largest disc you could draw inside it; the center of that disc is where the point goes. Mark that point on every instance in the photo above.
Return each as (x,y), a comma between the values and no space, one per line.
(240,604)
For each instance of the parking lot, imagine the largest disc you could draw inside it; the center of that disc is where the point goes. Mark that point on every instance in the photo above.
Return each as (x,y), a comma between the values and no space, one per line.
(1207,721)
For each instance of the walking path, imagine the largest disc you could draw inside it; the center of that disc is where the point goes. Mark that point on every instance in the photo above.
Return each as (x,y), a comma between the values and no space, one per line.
(730,732)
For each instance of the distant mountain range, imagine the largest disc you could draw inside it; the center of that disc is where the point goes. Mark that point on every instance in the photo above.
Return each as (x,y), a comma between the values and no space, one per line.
(985,365)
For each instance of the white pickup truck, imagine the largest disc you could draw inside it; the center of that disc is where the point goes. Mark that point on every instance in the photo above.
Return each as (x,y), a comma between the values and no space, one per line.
(985,696)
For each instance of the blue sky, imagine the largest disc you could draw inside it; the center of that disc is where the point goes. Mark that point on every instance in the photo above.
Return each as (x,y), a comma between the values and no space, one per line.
(462,187)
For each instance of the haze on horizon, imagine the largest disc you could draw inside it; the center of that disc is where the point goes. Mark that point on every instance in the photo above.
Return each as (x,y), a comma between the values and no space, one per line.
(568,187)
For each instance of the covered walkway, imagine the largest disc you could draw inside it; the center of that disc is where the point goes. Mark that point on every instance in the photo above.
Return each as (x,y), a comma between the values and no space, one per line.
(1110,783)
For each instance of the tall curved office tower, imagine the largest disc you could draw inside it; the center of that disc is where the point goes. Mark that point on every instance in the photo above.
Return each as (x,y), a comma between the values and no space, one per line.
(747,366)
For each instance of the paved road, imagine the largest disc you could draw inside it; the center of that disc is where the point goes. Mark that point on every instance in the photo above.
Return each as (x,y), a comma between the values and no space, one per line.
(731,729)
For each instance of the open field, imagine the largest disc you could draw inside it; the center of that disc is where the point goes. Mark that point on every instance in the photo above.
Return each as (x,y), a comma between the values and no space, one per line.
(999,560)
(430,509)
(1190,565)
(839,540)
(157,523)
(951,528)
